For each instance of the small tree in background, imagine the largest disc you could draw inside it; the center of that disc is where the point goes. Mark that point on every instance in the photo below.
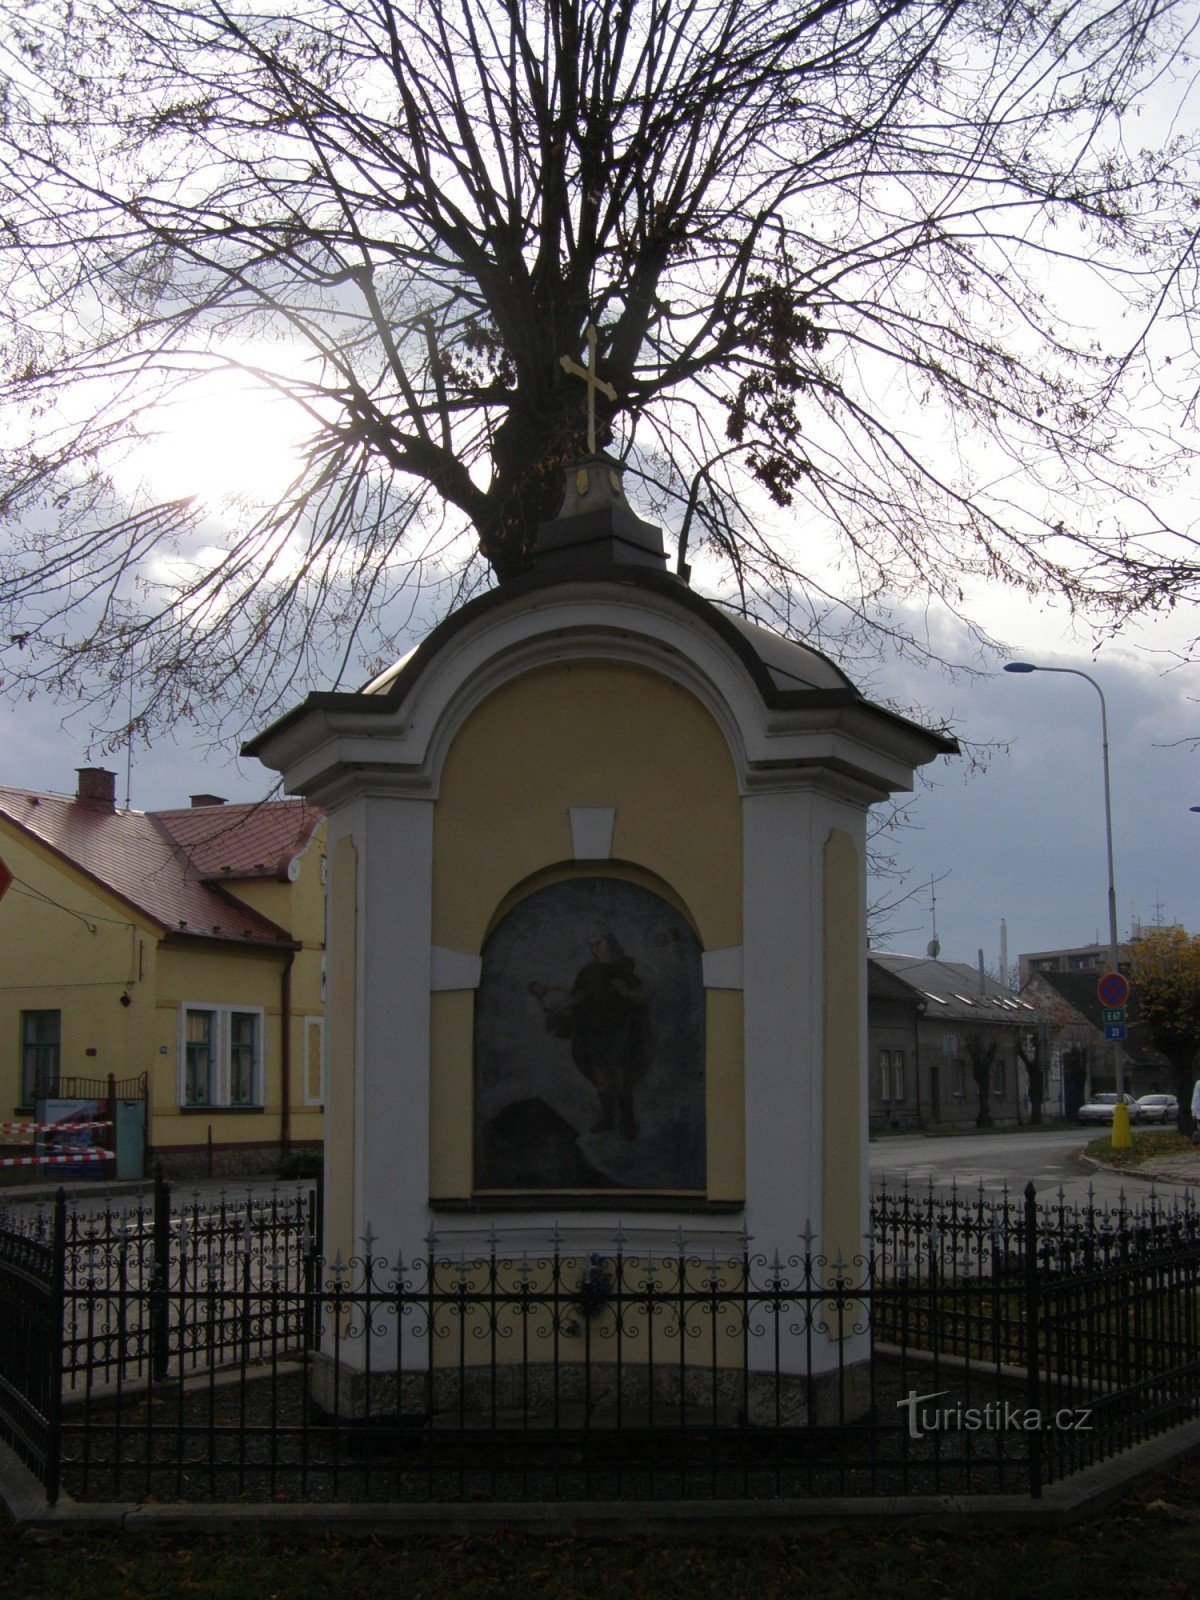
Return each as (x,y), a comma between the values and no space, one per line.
(1031,1054)
(1166,986)
(981,1053)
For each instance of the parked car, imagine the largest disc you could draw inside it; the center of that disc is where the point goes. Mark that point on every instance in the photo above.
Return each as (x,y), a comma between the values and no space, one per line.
(1158,1108)
(1100,1108)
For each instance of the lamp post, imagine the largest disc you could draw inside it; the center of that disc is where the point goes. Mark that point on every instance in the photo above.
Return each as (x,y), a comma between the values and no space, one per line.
(1121,1137)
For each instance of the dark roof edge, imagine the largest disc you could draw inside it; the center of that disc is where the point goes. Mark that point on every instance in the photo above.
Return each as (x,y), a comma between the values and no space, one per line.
(663,583)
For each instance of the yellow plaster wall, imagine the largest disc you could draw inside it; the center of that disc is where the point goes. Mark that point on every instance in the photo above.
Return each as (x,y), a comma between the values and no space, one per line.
(585,734)
(67,945)
(842,1106)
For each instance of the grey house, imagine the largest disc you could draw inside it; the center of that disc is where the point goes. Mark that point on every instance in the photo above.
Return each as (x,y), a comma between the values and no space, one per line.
(928,1023)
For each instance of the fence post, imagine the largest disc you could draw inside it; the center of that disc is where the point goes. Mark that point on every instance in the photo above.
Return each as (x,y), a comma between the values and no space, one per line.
(54,1366)
(314,1211)
(160,1277)
(1033,1383)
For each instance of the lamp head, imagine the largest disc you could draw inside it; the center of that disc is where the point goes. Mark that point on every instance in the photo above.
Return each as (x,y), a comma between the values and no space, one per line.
(1019,666)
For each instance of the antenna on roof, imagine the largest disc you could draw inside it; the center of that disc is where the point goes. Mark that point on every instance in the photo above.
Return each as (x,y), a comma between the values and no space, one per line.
(933,949)
(129,742)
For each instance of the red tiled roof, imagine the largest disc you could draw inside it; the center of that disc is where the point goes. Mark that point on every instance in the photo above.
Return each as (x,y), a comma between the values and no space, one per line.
(132,854)
(243,841)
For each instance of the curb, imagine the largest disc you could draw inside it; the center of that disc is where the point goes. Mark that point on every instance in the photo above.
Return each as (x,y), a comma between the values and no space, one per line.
(1143,1174)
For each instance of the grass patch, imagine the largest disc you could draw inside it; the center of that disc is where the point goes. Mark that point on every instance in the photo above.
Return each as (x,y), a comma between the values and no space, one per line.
(1149,1144)
(1146,1548)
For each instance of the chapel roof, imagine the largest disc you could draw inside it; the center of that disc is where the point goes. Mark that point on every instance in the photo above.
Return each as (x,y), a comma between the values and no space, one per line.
(787,674)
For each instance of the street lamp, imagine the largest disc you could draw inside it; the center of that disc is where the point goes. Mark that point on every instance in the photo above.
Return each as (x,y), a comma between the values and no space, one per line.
(1121,1137)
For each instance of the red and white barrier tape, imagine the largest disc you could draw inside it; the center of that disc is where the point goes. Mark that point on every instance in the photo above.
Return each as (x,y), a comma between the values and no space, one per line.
(49,1127)
(50,1161)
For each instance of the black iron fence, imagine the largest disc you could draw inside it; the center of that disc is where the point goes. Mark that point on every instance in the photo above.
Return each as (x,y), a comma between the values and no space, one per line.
(184,1351)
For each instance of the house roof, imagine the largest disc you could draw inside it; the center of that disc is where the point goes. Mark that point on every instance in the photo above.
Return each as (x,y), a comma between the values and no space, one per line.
(137,858)
(1078,990)
(952,990)
(885,985)
(261,840)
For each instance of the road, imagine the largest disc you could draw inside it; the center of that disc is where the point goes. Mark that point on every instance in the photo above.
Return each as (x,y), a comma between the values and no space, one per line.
(1050,1158)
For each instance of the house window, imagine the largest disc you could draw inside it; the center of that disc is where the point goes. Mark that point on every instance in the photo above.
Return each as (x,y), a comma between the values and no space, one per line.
(243,1058)
(41,1043)
(959,1078)
(998,1078)
(222,1056)
(891,1074)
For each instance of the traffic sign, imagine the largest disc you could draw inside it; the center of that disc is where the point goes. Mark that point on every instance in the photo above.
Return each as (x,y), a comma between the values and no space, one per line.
(6,878)
(1113,989)
(1116,1030)
(1113,1014)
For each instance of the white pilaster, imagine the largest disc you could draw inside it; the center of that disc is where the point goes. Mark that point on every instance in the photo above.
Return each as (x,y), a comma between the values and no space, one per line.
(394,972)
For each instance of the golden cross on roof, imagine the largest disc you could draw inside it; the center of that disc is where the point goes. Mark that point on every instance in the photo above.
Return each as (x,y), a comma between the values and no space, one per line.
(588,374)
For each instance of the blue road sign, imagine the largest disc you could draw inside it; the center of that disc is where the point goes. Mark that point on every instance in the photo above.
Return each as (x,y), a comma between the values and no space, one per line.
(1116,1030)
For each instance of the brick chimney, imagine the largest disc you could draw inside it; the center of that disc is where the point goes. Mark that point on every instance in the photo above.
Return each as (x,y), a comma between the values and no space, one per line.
(97,786)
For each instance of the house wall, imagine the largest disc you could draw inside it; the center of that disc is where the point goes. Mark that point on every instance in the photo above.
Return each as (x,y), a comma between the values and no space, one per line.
(299,906)
(891,1028)
(68,945)
(946,1044)
(193,972)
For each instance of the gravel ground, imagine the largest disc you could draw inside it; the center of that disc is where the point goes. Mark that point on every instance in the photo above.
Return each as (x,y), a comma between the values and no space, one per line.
(263,1440)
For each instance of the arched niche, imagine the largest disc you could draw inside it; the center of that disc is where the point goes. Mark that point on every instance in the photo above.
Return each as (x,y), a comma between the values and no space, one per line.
(589,1044)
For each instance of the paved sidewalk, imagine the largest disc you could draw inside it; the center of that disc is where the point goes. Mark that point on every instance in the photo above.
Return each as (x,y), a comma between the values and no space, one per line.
(1167,1169)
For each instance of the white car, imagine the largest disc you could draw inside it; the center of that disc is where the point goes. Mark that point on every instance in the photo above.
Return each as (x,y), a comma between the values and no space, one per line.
(1100,1108)
(1158,1108)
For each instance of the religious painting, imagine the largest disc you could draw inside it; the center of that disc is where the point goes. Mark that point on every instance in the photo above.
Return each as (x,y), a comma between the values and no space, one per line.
(589,1044)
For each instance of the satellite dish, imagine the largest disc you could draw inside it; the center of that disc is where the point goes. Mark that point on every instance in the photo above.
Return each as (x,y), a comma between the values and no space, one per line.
(933,949)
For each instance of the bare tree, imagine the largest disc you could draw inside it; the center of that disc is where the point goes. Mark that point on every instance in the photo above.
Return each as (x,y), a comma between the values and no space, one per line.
(830,252)
(982,1052)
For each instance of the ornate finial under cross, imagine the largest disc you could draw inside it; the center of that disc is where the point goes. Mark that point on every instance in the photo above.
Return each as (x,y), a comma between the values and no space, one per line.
(588,374)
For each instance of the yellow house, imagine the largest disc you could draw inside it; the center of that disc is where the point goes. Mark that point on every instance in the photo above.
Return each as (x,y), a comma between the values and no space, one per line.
(184,945)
